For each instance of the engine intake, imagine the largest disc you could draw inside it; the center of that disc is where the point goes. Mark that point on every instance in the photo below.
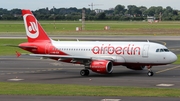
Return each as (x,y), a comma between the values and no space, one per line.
(101,66)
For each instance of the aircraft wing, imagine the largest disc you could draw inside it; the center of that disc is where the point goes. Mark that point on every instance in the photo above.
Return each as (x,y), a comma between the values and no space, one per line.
(72,57)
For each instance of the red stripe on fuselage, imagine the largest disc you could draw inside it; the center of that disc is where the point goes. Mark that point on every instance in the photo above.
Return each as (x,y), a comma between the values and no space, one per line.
(41,48)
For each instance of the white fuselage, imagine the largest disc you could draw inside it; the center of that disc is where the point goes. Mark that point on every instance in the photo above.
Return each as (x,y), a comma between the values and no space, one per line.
(122,52)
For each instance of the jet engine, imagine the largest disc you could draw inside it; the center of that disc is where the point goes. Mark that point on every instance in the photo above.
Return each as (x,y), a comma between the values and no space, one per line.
(101,66)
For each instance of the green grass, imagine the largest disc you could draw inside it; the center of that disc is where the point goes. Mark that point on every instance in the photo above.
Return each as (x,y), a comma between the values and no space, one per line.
(95,28)
(178,60)
(81,90)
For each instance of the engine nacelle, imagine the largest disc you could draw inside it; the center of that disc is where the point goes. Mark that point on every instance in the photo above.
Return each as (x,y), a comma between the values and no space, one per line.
(136,67)
(101,66)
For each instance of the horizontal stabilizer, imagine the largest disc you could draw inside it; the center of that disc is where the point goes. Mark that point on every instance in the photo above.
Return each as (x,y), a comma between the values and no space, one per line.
(10,45)
(18,54)
(29,47)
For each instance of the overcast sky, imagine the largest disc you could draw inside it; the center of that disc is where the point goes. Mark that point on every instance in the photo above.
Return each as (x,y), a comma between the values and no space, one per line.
(100,4)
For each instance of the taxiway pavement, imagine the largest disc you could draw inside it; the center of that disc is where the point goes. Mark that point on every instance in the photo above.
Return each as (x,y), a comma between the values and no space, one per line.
(30,69)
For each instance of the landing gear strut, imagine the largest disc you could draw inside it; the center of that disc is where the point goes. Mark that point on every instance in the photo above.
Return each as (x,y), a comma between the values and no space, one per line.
(150,73)
(84,72)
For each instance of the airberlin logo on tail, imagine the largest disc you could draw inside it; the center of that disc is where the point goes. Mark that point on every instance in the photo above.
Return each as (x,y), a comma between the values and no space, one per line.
(31,26)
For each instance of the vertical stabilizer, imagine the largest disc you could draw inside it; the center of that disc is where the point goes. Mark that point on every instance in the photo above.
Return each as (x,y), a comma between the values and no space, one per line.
(34,30)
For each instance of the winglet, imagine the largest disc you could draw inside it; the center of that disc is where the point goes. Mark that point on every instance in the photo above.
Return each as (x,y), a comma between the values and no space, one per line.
(18,54)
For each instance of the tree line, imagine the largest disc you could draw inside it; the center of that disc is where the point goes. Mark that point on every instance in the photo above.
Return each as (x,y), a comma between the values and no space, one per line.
(120,12)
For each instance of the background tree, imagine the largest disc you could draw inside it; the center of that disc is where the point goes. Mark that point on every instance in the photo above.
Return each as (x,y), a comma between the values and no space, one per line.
(118,13)
(119,9)
(101,16)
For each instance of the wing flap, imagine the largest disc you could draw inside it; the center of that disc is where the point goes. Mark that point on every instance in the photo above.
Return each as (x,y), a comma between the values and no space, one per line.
(59,56)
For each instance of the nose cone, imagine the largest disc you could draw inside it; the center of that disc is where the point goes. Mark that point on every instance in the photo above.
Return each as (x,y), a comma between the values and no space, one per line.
(172,57)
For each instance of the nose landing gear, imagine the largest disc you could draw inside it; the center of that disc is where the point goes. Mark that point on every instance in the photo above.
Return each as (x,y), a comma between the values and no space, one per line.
(150,73)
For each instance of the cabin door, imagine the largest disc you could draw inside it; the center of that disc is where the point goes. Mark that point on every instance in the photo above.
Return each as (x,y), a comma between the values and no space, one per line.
(145,51)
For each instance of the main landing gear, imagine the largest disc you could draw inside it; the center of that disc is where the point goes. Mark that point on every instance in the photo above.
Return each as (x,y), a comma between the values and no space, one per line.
(84,72)
(150,73)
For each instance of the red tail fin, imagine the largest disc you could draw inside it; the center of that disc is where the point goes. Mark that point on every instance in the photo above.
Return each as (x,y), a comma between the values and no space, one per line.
(34,30)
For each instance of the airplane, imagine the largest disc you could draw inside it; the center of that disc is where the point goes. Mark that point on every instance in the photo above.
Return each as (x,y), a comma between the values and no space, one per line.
(97,56)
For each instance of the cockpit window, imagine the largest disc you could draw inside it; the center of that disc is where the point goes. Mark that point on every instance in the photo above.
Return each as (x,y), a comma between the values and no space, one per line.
(162,50)
(166,50)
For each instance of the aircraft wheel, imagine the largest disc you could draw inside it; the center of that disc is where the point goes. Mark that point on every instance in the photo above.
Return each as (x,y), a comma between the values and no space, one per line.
(84,72)
(87,72)
(150,73)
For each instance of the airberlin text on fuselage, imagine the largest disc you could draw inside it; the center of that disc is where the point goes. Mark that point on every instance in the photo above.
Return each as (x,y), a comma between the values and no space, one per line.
(131,49)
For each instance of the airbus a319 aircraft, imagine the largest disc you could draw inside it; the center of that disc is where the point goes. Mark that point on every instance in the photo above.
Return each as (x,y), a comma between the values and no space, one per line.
(99,57)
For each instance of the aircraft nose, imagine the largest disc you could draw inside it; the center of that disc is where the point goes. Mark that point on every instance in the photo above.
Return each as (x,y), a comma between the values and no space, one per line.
(173,57)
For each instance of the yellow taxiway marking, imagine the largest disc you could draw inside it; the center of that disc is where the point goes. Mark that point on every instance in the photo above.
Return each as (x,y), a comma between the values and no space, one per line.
(168,69)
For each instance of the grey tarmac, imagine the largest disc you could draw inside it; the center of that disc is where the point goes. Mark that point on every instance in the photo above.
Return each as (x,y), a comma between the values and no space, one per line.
(82,98)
